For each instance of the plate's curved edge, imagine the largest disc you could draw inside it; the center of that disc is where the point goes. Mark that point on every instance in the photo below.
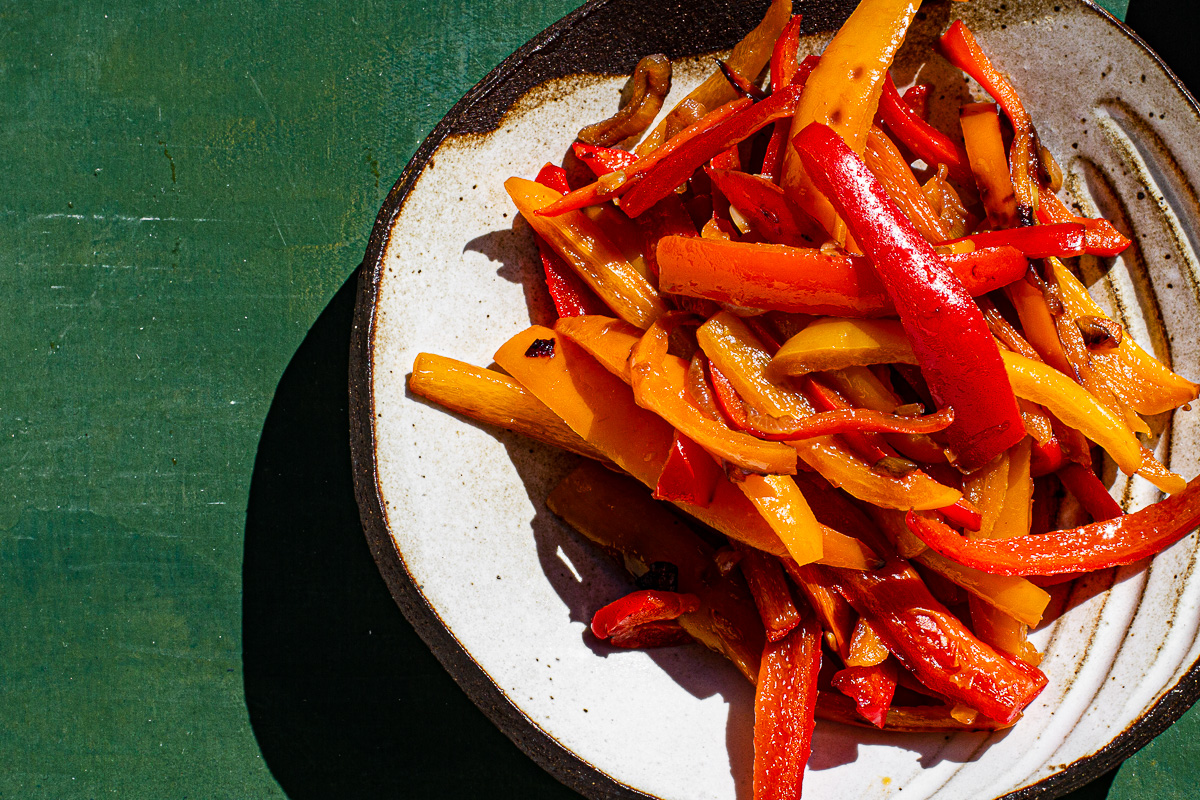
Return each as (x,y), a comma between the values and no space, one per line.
(470,676)
(1183,695)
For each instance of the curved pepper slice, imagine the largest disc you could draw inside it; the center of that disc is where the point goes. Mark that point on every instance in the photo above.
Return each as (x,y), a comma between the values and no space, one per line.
(602,160)
(806,280)
(925,141)
(660,385)
(1100,545)
(1101,238)
(770,211)
(641,607)
(935,646)
(1090,492)
(785,703)
(955,350)
(689,475)
(764,576)
(1062,239)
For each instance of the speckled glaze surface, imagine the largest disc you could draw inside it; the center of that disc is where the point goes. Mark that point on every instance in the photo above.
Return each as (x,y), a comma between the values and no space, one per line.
(502,591)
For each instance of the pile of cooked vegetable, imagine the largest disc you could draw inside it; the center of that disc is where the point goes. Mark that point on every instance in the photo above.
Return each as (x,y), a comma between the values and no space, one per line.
(849,352)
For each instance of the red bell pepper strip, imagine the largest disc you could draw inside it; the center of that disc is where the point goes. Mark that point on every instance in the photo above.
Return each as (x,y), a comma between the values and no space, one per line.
(739,83)
(961,49)
(1090,492)
(963,514)
(640,608)
(783,57)
(602,160)
(607,188)
(1110,543)
(675,169)
(689,475)
(1062,240)
(772,214)
(785,703)
(954,348)
(1046,457)
(572,297)
(935,646)
(666,633)
(925,141)
(553,176)
(917,98)
(772,167)
(806,280)
(1100,237)
(871,689)
(769,587)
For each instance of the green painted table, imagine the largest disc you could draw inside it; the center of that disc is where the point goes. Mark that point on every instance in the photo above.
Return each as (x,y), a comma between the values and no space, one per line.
(189,606)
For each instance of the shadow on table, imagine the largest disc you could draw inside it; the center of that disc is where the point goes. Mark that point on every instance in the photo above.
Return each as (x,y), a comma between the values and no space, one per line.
(345,700)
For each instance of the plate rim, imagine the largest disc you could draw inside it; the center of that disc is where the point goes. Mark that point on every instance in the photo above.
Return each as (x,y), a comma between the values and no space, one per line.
(563,764)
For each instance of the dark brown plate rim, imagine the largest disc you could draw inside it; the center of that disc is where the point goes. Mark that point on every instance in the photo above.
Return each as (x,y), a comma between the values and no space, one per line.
(558,51)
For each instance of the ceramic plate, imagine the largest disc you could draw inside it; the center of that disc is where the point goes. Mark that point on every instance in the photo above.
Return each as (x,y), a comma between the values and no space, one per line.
(502,591)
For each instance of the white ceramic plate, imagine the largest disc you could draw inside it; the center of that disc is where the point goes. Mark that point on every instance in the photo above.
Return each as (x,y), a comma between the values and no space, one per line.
(502,591)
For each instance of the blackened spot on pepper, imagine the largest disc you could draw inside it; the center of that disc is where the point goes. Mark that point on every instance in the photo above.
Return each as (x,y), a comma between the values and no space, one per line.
(540,348)
(663,576)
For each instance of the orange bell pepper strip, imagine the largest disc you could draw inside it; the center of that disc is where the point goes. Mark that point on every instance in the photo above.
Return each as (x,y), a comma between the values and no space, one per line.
(1099,545)
(895,175)
(617,514)
(980,124)
(659,384)
(1100,237)
(961,49)
(843,93)
(768,585)
(938,649)
(772,506)
(600,407)
(593,257)
(494,398)
(1006,634)
(785,703)
(1160,476)
(749,57)
(1038,324)
(958,357)
(807,280)
(1010,594)
(925,141)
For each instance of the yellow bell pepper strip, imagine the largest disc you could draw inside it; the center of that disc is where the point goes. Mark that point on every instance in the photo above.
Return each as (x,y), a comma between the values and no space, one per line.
(1061,240)
(690,475)
(676,168)
(1010,594)
(832,343)
(925,141)
(749,57)
(957,354)
(1160,476)
(986,487)
(1090,492)
(784,508)
(1015,514)
(785,702)
(961,49)
(635,619)
(1100,239)
(806,280)
(492,397)
(843,93)
(729,511)
(659,384)
(769,587)
(980,124)
(739,355)
(593,257)
(938,649)
(616,183)
(1099,545)
(1075,406)
(1134,376)
(1003,632)
(896,176)
(619,516)
(846,471)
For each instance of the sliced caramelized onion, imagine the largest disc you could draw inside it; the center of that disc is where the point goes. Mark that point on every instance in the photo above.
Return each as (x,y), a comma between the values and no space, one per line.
(650,83)
(1100,333)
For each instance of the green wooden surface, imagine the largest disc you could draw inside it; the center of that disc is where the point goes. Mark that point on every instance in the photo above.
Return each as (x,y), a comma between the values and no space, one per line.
(189,607)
